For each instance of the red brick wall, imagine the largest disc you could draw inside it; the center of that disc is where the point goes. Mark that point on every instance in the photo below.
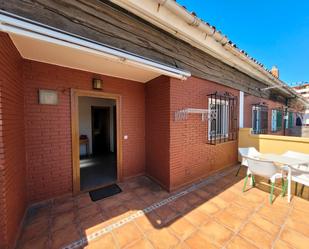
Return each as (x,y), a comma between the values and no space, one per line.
(158,130)
(12,147)
(48,128)
(191,158)
(249,100)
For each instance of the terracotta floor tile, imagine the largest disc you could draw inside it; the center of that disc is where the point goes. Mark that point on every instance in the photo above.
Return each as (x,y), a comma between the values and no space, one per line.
(211,189)
(182,228)
(204,218)
(300,227)
(250,196)
(62,220)
(141,244)
(196,217)
(133,184)
(279,244)
(93,224)
(162,238)
(228,196)
(295,239)
(141,191)
(166,214)
(203,194)
(149,198)
(192,199)
(273,215)
(105,242)
(109,203)
(84,200)
(298,216)
(127,234)
(182,245)
(162,194)
(38,213)
(208,208)
(199,241)
(64,237)
(240,243)
(220,202)
(63,208)
(257,236)
(149,222)
(36,229)
(88,211)
(229,219)
(180,205)
(216,233)
(266,225)
(244,203)
(37,243)
(135,205)
(117,212)
(127,196)
(240,212)
(301,204)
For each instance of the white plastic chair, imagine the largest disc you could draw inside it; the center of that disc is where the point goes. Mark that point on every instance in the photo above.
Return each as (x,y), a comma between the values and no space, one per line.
(265,169)
(299,173)
(247,152)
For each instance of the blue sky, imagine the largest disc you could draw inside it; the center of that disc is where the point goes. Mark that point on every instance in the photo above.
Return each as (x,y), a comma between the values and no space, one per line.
(272,31)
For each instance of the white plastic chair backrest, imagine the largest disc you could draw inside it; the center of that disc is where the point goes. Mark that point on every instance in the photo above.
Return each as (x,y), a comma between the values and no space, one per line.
(247,152)
(262,168)
(295,154)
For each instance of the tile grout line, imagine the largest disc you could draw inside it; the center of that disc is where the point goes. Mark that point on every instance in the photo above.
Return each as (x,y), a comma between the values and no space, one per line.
(283,225)
(111,227)
(243,224)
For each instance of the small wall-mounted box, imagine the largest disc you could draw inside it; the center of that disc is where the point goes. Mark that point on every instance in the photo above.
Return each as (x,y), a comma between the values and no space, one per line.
(48,97)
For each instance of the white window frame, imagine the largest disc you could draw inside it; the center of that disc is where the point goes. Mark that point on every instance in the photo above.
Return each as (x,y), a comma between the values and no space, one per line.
(258,114)
(225,115)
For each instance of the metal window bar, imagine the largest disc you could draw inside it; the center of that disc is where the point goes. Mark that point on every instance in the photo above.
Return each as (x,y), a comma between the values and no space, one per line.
(223,125)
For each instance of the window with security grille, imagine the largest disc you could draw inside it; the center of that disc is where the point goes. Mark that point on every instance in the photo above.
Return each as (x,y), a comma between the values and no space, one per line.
(259,119)
(222,124)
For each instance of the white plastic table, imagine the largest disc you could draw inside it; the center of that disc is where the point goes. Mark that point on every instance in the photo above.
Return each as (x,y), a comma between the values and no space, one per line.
(285,161)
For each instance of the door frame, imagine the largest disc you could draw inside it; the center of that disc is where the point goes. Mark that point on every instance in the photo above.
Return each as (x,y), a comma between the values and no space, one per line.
(75,93)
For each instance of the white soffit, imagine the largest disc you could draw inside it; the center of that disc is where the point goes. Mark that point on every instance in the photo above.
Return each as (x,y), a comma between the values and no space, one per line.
(55,54)
(39,43)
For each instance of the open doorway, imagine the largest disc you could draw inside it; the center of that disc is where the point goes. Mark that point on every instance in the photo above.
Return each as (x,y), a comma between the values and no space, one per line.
(97,142)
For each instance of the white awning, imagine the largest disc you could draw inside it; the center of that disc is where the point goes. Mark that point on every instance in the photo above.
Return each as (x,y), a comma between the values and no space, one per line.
(41,43)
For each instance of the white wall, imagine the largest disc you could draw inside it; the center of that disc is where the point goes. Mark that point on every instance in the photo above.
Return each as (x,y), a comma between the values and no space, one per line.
(84,110)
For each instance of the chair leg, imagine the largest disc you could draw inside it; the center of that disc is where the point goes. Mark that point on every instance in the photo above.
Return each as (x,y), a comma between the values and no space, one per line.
(284,186)
(271,192)
(246,179)
(302,190)
(238,170)
(253,180)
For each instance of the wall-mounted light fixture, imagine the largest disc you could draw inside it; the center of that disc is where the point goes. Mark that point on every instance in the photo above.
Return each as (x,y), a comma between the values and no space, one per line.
(48,97)
(97,84)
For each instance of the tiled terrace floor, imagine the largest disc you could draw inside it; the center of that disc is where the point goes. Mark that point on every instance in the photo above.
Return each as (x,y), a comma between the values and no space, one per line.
(213,214)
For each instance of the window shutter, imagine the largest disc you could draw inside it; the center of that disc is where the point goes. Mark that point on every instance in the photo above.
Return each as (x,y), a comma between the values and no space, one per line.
(291,120)
(279,120)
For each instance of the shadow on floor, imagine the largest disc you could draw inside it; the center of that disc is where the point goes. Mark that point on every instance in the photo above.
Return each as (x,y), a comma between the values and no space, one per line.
(211,215)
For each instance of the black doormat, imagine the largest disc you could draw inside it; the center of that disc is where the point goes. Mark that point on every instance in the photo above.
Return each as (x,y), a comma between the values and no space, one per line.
(104,192)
